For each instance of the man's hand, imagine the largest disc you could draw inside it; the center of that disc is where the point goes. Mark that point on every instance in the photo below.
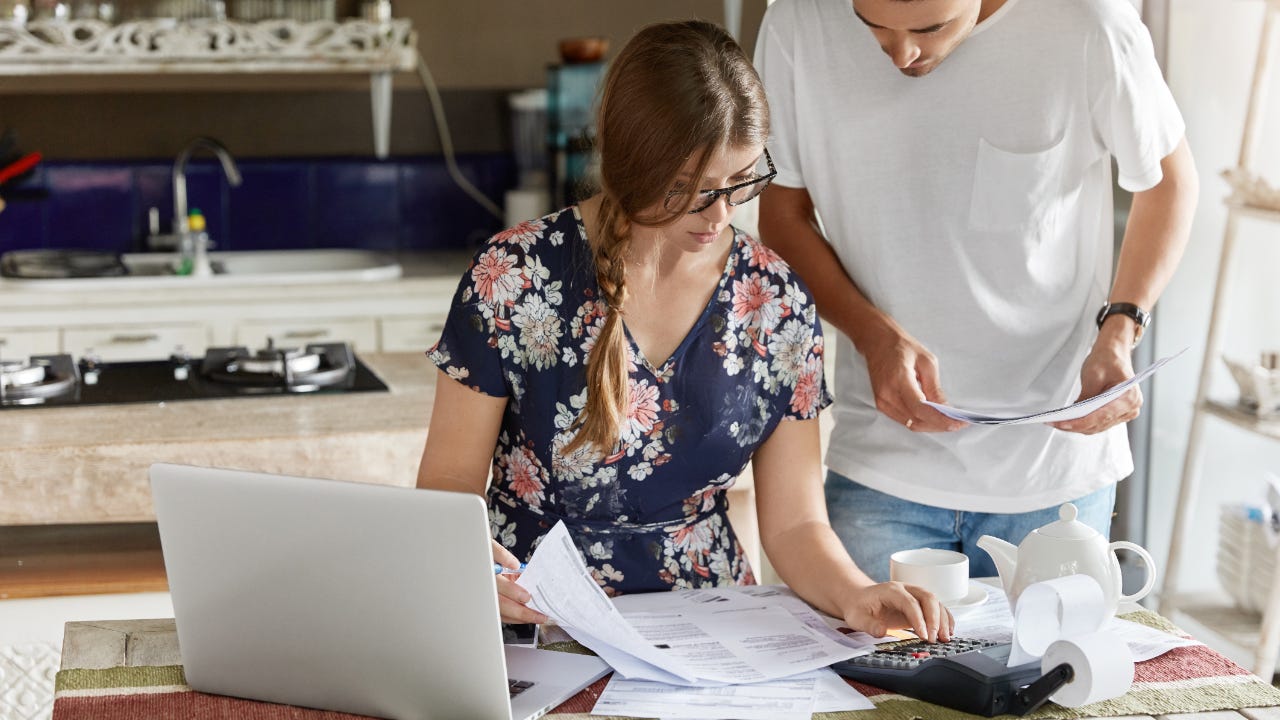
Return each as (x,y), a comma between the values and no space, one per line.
(903,375)
(877,609)
(1108,364)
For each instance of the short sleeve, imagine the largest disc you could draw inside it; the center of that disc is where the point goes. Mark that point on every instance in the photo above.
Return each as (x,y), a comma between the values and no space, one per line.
(773,61)
(469,349)
(1133,110)
(810,396)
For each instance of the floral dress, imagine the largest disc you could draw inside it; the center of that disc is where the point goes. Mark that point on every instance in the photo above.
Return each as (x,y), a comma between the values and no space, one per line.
(652,514)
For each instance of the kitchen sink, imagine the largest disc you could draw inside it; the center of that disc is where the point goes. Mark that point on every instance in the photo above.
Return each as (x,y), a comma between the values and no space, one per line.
(232,268)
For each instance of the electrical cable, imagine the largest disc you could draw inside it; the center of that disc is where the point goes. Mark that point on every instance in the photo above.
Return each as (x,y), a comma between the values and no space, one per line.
(446,141)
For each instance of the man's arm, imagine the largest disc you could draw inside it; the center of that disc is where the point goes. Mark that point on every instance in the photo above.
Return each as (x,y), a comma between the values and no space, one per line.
(903,372)
(1154,240)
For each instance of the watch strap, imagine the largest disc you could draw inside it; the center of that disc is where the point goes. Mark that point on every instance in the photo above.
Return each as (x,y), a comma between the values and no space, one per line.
(1140,317)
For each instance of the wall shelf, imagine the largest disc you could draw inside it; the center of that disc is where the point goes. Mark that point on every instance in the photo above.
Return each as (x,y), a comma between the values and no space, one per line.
(47,52)
(1252,198)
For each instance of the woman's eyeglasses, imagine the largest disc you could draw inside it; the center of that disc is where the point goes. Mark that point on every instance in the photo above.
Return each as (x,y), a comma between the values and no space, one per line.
(734,194)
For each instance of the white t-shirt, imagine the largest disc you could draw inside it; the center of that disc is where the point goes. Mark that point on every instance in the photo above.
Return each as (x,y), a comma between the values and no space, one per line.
(973,205)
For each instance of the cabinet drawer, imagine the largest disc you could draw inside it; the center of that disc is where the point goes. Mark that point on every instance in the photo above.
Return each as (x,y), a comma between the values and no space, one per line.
(411,334)
(22,344)
(362,333)
(135,342)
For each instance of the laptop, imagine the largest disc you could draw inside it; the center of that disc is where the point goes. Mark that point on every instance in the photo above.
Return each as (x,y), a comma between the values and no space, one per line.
(360,598)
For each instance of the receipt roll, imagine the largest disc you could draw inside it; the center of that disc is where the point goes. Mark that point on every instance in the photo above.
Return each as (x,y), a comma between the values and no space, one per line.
(1101,664)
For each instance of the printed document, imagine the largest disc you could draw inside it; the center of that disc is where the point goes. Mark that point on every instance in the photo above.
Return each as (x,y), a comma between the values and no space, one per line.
(672,639)
(1070,412)
(796,697)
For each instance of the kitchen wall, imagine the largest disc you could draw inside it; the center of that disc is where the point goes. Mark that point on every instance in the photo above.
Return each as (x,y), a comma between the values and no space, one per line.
(1211,57)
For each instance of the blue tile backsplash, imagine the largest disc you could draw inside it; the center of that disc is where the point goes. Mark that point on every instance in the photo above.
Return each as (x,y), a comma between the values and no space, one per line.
(407,203)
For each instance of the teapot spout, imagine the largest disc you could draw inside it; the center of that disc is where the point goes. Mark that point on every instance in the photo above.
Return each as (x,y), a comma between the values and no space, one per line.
(1005,556)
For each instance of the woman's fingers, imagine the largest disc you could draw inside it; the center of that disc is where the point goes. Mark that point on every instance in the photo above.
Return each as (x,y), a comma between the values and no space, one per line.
(503,556)
(513,603)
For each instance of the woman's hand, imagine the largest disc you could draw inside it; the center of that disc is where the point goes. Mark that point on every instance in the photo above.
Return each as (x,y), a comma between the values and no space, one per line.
(877,609)
(512,598)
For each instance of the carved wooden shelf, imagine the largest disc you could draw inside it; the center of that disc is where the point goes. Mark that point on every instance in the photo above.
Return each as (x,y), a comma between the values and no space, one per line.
(47,51)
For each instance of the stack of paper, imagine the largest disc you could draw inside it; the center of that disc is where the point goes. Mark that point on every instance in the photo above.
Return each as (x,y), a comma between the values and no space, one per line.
(679,654)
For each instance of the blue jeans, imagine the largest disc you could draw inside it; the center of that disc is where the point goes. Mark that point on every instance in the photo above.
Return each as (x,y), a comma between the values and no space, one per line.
(873,525)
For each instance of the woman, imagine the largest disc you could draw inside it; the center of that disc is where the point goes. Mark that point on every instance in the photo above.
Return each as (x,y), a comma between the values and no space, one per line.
(628,356)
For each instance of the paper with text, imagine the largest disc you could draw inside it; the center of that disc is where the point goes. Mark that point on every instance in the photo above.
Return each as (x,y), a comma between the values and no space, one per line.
(699,637)
(1073,411)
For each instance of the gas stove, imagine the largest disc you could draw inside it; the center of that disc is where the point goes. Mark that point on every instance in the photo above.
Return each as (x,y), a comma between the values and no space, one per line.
(58,380)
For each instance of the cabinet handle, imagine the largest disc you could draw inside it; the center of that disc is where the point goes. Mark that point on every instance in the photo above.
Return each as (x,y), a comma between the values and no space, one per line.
(133,339)
(306,334)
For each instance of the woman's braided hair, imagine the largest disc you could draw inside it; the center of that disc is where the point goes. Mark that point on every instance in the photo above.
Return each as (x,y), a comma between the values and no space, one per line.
(676,92)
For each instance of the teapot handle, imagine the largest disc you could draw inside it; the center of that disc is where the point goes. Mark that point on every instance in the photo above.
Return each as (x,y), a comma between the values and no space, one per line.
(1150,569)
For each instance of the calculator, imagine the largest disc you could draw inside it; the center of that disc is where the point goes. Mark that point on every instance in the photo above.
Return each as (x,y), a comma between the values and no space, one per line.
(966,674)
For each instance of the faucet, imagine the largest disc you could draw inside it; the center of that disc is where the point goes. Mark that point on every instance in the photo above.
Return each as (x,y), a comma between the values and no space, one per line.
(180,224)
(191,243)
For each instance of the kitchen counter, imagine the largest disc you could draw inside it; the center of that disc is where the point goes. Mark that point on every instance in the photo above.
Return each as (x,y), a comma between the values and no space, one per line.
(421,271)
(89,464)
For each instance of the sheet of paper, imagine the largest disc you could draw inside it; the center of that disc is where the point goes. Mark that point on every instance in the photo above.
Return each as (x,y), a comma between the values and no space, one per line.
(786,699)
(1144,642)
(832,694)
(698,638)
(563,590)
(1070,412)
(742,645)
(992,620)
(748,596)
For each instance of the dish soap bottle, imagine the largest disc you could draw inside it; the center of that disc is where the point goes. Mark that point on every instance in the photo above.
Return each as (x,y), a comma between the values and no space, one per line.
(194,259)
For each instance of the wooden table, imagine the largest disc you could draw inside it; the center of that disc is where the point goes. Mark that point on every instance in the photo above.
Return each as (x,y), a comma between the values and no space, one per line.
(139,643)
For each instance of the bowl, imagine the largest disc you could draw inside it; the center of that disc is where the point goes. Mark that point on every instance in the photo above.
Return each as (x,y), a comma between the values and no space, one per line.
(1259,386)
(574,51)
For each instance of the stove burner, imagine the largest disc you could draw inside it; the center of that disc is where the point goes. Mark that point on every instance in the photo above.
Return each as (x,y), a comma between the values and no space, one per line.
(45,376)
(316,366)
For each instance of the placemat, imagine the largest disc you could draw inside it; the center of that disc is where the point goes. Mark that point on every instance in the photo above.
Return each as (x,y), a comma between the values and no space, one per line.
(1184,680)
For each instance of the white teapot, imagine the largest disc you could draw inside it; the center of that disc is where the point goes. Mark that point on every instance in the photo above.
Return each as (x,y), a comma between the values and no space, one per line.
(1065,547)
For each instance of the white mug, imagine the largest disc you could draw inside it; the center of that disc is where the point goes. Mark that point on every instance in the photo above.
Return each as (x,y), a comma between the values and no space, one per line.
(944,573)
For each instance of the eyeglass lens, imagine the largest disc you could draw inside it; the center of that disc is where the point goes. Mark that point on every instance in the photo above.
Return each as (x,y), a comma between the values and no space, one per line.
(738,195)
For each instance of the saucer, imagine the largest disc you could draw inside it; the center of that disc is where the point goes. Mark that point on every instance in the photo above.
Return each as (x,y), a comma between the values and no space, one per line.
(976,596)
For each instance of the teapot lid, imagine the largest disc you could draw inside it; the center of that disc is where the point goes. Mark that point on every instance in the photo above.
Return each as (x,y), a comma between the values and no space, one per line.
(1067,526)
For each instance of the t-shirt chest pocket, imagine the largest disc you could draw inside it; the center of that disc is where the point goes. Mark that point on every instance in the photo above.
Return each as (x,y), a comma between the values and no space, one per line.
(1016,191)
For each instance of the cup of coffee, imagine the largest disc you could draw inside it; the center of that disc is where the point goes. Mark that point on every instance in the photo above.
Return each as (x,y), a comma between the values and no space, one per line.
(944,573)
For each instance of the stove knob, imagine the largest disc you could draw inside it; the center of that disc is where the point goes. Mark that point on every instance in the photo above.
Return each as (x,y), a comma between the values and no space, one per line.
(181,363)
(89,369)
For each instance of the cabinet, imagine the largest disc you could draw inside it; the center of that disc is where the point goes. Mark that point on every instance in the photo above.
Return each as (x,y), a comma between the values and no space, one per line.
(134,342)
(45,49)
(23,343)
(413,333)
(362,333)
(406,315)
(1261,637)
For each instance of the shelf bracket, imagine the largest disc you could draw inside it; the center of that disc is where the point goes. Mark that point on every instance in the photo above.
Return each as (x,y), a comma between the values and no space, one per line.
(380,92)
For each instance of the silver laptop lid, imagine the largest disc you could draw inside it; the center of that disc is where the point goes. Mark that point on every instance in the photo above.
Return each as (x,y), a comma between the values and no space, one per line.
(344,596)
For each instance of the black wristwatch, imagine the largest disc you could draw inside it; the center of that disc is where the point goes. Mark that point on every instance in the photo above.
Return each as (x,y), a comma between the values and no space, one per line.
(1140,317)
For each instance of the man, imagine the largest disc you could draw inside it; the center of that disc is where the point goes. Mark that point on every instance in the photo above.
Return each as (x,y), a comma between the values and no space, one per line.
(965,248)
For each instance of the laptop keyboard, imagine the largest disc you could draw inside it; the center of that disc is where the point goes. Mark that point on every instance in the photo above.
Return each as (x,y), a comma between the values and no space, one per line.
(515,687)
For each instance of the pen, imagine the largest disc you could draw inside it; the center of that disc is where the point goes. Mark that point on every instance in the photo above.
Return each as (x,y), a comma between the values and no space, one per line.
(504,570)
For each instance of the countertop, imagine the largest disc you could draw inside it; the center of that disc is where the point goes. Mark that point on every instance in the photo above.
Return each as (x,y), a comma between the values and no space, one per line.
(421,272)
(89,464)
